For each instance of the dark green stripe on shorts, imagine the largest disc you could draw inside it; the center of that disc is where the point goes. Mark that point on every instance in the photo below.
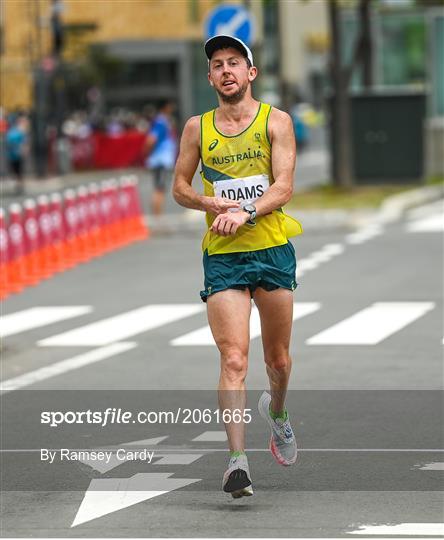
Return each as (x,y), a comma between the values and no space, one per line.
(271,268)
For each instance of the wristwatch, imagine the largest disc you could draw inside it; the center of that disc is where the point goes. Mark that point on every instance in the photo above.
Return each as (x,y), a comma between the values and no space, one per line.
(251,209)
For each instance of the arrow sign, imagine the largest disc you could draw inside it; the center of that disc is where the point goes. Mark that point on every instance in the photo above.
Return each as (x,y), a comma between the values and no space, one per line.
(230,19)
(103,467)
(109,495)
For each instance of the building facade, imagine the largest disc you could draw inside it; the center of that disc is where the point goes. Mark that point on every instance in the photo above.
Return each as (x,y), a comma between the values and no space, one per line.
(157,46)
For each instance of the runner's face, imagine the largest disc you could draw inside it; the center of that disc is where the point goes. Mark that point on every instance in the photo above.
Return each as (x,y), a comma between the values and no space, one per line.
(230,75)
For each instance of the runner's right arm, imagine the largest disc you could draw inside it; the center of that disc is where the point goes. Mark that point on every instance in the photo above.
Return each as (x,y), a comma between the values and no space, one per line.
(186,165)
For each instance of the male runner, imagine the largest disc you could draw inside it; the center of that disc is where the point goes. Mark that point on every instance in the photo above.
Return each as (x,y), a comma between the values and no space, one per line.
(248,153)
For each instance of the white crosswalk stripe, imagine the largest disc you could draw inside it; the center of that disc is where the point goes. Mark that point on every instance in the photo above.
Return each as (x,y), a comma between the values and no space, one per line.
(366,327)
(64,366)
(203,336)
(435,466)
(211,436)
(123,326)
(373,324)
(35,317)
(364,234)
(402,529)
(177,459)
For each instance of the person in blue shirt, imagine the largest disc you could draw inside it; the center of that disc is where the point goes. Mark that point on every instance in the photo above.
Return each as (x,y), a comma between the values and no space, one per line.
(161,145)
(15,149)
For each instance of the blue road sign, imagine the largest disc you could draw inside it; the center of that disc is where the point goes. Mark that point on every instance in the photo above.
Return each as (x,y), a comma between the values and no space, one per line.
(233,20)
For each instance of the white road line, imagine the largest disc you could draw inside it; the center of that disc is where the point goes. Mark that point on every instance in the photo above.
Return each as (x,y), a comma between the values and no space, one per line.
(402,529)
(64,366)
(28,319)
(333,249)
(327,252)
(429,224)
(104,466)
(364,234)
(203,336)
(213,436)
(177,459)
(190,448)
(439,466)
(304,265)
(373,324)
(144,442)
(122,326)
(318,257)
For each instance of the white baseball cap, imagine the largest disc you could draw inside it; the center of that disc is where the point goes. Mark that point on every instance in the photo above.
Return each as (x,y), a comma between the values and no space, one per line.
(223,42)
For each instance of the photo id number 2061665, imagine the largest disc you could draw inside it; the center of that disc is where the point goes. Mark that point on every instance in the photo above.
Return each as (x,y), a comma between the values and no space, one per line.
(206,416)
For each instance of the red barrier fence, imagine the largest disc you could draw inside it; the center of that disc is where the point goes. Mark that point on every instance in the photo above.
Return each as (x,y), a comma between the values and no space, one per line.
(54,234)
(103,151)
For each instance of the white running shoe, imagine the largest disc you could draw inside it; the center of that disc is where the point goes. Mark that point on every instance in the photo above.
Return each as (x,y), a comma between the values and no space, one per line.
(282,442)
(236,480)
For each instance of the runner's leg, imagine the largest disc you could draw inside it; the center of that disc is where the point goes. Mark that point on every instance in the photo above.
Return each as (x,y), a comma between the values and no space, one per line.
(229,319)
(158,197)
(276,314)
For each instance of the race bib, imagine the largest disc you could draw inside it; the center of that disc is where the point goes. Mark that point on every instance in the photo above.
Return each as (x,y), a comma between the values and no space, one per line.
(244,190)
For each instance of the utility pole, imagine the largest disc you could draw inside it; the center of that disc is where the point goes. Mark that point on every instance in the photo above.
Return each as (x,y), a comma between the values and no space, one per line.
(341,78)
(40,98)
(341,108)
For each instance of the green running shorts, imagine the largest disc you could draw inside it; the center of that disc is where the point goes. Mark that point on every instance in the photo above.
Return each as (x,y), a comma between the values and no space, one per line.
(270,268)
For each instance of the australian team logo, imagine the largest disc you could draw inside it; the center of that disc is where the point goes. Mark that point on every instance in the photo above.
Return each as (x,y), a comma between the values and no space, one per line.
(213,144)
(257,136)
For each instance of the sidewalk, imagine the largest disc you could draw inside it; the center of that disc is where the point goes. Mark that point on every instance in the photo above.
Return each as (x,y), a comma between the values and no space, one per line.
(179,220)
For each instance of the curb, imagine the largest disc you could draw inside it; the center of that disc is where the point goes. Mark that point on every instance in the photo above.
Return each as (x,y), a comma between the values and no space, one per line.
(393,207)
(192,221)
(182,222)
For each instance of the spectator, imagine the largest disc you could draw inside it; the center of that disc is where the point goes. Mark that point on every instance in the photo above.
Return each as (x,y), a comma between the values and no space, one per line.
(161,145)
(16,148)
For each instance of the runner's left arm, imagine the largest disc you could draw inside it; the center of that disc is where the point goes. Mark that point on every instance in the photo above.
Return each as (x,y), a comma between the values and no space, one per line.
(283,161)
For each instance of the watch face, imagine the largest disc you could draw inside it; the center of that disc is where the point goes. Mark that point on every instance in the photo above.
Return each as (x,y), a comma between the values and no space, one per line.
(249,208)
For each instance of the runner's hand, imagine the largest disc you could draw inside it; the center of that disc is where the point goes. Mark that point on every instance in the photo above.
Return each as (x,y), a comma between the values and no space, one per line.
(228,223)
(219,205)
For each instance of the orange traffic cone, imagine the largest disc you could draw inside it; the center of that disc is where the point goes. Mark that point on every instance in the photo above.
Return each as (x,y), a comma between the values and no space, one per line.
(46,251)
(72,247)
(138,227)
(4,257)
(34,267)
(17,277)
(106,239)
(58,233)
(94,219)
(124,206)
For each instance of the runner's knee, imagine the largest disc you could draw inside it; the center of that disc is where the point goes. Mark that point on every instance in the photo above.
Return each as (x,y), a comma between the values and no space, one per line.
(280,362)
(234,365)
